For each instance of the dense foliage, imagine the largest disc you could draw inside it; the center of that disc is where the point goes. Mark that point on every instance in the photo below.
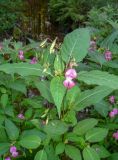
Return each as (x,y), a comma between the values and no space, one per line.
(59,101)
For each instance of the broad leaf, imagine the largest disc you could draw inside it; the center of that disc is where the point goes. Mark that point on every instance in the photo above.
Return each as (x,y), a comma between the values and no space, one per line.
(101,151)
(30,142)
(44,89)
(75,45)
(55,127)
(99,78)
(102,108)
(96,134)
(58,91)
(90,154)
(23,69)
(41,155)
(73,152)
(11,129)
(4,147)
(59,148)
(93,96)
(85,125)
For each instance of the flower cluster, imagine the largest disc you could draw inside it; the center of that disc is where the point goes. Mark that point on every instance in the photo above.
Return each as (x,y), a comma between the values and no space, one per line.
(13,151)
(21,57)
(20,116)
(115,135)
(108,55)
(70,74)
(113,113)
(112,99)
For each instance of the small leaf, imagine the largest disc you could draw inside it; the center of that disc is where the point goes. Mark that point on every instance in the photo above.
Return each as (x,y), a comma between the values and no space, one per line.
(85,125)
(30,142)
(41,155)
(96,134)
(11,129)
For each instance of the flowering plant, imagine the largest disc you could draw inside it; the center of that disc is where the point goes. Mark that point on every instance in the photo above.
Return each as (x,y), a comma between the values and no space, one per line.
(58,101)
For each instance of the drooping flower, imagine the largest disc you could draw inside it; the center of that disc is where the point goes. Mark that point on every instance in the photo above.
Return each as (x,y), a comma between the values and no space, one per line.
(113,113)
(69,83)
(14,154)
(71,73)
(33,60)
(112,99)
(7,158)
(13,149)
(20,116)
(108,55)
(21,55)
(115,135)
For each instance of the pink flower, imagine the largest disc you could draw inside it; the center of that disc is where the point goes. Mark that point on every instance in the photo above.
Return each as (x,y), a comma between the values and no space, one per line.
(71,73)
(68,83)
(7,158)
(108,55)
(113,113)
(13,149)
(112,99)
(21,55)
(33,61)
(20,116)
(115,135)
(14,154)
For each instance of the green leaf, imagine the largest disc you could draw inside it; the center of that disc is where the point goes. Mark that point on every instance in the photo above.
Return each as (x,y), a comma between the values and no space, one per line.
(4,100)
(30,142)
(85,125)
(59,148)
(96,134)
(102,108)
(70,117)
(75,45)
(18,86)
(3,135)
(4,147)
(114,156)
(11,129)
(99,78)
(58,64)
(73,152)
(55,127)
(93,96)
(28,113)
(101,151)
(23,69)
(41,155)
(72,96)
(90,154)
(44,89)
(58,91)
